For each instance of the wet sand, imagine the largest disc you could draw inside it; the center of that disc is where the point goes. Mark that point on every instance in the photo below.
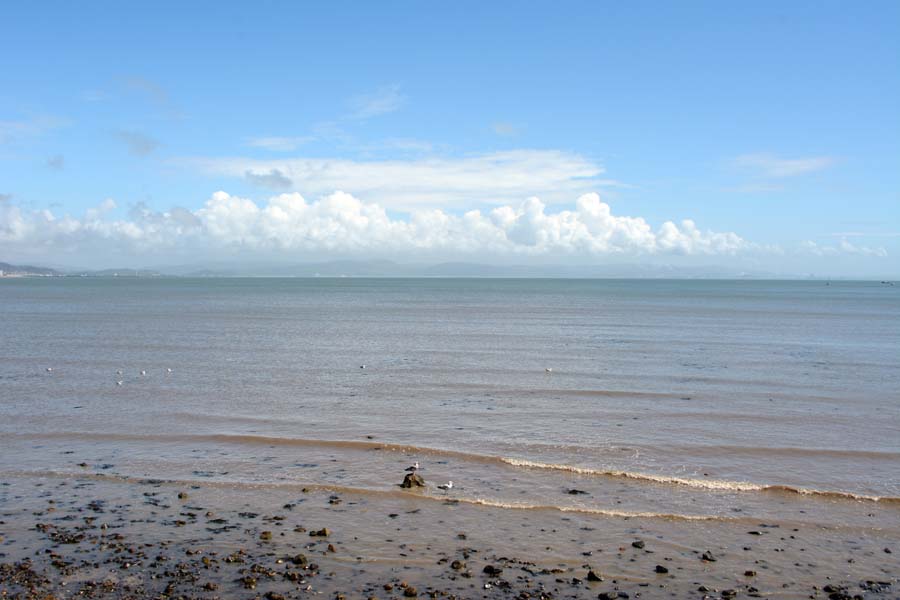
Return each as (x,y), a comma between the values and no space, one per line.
(97,536)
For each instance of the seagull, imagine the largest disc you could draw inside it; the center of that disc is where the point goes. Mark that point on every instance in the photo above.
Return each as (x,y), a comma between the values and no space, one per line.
(118,371)
(548,370)
(118,383)
(362,366)
(415,467)
(446,486)
(143,372)
(168,370)
(49,369)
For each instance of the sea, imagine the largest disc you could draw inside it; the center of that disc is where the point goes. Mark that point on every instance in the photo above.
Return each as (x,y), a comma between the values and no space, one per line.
(775,401)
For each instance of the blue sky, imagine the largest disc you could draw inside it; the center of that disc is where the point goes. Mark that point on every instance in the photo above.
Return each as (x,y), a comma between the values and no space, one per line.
(159,133)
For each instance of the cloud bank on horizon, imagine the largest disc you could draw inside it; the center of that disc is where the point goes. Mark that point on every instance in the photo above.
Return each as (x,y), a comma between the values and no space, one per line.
(339,224)
(575,133)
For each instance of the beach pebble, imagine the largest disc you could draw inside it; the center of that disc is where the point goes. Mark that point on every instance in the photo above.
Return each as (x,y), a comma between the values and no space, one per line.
(411,480)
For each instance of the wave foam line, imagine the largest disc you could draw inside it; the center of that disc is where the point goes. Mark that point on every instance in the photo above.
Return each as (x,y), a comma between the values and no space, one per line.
(343,489)
(249,439)
(626,514)
(707,484)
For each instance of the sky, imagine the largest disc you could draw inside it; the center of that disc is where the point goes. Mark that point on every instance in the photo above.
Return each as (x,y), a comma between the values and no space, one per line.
(758,136)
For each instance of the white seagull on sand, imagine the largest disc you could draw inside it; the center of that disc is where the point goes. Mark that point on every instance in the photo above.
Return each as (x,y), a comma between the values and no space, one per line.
(446,486)
(415,467)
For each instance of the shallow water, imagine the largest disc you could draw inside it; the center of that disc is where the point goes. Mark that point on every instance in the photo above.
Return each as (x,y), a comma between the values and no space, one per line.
(672,399)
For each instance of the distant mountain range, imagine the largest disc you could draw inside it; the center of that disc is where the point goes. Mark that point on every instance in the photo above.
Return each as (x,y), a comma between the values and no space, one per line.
(387,268)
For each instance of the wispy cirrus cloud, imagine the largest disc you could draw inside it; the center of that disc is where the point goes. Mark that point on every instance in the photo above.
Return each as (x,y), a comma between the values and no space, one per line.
(56,163)
(155,92)
(138,144)
(505,129)
(492,178)
(866,234)
(842,247)
(776,167)
(33,126)
(280,143)
(384,100)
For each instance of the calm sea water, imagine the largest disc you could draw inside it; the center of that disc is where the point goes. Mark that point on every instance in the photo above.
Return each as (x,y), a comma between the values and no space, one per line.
(686,398)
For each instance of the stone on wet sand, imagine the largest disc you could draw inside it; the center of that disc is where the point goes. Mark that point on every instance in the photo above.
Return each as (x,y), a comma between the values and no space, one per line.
(411,480)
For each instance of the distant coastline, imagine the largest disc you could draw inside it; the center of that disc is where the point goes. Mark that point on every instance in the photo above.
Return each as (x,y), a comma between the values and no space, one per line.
(389,269)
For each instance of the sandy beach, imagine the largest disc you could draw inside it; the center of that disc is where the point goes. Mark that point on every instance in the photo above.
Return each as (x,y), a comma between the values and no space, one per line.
(100,536)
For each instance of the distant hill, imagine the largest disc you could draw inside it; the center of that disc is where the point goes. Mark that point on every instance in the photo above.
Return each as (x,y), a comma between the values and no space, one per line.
(117,273)
(22,270)
(388,268)
(10,270)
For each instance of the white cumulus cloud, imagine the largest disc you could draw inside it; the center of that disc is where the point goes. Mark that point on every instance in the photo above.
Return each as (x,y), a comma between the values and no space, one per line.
(339,224)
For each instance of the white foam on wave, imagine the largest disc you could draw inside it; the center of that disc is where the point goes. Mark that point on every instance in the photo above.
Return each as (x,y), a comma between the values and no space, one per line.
(706,484)
(709,484)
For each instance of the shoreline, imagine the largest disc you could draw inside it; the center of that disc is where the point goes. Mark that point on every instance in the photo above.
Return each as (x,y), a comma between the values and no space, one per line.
(84,537)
